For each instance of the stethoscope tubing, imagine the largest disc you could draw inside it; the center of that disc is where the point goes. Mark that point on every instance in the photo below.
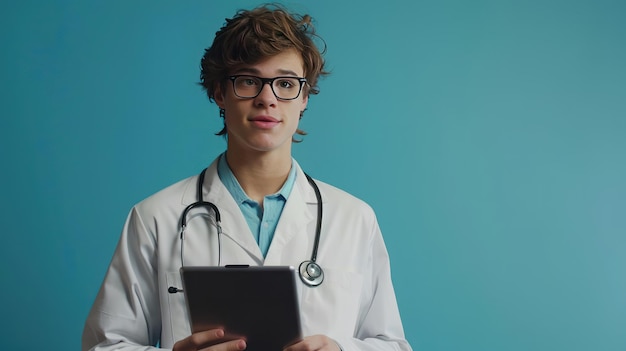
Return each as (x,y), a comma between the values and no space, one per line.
(311,273)
(318,226)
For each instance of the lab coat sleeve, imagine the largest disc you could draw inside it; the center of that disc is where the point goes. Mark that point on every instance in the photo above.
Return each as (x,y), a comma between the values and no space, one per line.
(126,313)
(380,325)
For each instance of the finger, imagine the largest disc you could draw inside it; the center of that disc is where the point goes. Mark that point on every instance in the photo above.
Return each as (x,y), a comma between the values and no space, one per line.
(198,340)
(233,345)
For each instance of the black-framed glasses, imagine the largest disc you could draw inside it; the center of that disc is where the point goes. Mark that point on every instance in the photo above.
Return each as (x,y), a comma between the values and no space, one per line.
(284,88)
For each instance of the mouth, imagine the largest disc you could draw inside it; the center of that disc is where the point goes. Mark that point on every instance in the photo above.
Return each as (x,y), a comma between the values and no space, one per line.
(264,122)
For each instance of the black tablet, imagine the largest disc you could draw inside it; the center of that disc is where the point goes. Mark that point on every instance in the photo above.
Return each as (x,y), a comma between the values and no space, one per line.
(258,304)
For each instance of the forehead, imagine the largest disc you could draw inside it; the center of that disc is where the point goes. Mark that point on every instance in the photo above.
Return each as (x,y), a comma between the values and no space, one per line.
(287,63)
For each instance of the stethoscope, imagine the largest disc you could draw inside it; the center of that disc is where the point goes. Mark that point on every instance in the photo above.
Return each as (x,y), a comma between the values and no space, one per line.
(311,273)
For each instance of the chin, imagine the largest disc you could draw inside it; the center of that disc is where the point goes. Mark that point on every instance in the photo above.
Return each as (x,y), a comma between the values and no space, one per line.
(268,145)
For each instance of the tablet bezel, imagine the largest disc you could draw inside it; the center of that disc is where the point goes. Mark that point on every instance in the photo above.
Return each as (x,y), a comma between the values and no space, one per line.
(256,303)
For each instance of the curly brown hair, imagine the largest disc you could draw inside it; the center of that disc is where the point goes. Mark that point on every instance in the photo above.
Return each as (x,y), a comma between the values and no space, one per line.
(252,35)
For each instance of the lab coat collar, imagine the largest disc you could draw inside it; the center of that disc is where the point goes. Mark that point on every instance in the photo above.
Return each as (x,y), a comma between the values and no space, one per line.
(300,210)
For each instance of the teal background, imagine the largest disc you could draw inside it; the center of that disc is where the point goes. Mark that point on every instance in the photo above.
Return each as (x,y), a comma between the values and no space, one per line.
(489,136)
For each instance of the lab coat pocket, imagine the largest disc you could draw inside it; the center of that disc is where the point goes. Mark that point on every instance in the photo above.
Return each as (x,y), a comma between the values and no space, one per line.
(333,307)
(179,321)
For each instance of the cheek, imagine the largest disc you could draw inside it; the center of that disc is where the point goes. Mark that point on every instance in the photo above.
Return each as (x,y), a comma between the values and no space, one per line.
(294,115)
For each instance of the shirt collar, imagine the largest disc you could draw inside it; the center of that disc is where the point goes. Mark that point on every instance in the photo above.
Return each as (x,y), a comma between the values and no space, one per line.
(232,184)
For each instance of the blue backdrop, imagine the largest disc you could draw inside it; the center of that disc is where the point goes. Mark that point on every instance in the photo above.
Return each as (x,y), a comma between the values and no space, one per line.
(489,136)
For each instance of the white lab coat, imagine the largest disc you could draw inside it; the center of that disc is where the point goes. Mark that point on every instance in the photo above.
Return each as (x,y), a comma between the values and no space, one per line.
(355,305)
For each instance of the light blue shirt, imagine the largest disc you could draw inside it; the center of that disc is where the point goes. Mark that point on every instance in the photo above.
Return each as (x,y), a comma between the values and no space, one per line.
(261,220)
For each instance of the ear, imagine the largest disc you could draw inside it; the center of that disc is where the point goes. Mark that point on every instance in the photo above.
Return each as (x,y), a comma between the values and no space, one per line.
(218,96)
(305,101)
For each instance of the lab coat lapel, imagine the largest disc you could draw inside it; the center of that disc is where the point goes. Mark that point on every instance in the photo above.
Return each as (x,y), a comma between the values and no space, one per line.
(289,243)
(234,225)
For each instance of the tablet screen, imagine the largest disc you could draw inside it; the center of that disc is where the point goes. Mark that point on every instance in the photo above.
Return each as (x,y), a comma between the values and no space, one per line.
(258,304)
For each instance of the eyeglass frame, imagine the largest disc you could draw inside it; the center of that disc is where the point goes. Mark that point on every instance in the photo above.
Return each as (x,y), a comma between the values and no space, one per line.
(269,81)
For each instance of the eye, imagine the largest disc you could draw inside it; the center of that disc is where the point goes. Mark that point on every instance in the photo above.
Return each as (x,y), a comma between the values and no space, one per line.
(286,83)
(248,81)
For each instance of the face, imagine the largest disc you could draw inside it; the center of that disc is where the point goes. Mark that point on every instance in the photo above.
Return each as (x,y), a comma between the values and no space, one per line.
(264,123)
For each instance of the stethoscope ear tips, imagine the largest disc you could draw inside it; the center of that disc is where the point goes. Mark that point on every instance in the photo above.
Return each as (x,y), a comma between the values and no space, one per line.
(311,273)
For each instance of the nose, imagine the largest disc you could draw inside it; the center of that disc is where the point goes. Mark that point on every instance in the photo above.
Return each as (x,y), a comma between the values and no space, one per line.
(266,96)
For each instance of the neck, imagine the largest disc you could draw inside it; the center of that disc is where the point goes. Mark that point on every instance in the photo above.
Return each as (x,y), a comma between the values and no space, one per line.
(260,174)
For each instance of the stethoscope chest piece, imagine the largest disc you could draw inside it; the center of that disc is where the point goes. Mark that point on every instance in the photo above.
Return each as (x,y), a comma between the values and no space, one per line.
(311,273)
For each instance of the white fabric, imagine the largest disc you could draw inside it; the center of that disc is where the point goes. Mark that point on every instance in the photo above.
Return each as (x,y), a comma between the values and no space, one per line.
(355,305)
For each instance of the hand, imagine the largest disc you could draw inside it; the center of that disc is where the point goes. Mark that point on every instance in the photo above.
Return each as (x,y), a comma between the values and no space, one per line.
(201,341)
(315,343)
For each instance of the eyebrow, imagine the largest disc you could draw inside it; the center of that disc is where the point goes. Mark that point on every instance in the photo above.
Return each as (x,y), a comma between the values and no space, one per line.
(251,70)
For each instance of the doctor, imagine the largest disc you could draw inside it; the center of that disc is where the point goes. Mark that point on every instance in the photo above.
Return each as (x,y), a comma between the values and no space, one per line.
(260,71)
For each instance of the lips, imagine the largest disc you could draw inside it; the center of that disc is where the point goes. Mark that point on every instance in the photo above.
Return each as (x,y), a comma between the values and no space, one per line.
(264,122)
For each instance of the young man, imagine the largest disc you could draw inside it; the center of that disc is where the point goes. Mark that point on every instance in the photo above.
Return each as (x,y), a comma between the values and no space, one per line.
(260,70)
